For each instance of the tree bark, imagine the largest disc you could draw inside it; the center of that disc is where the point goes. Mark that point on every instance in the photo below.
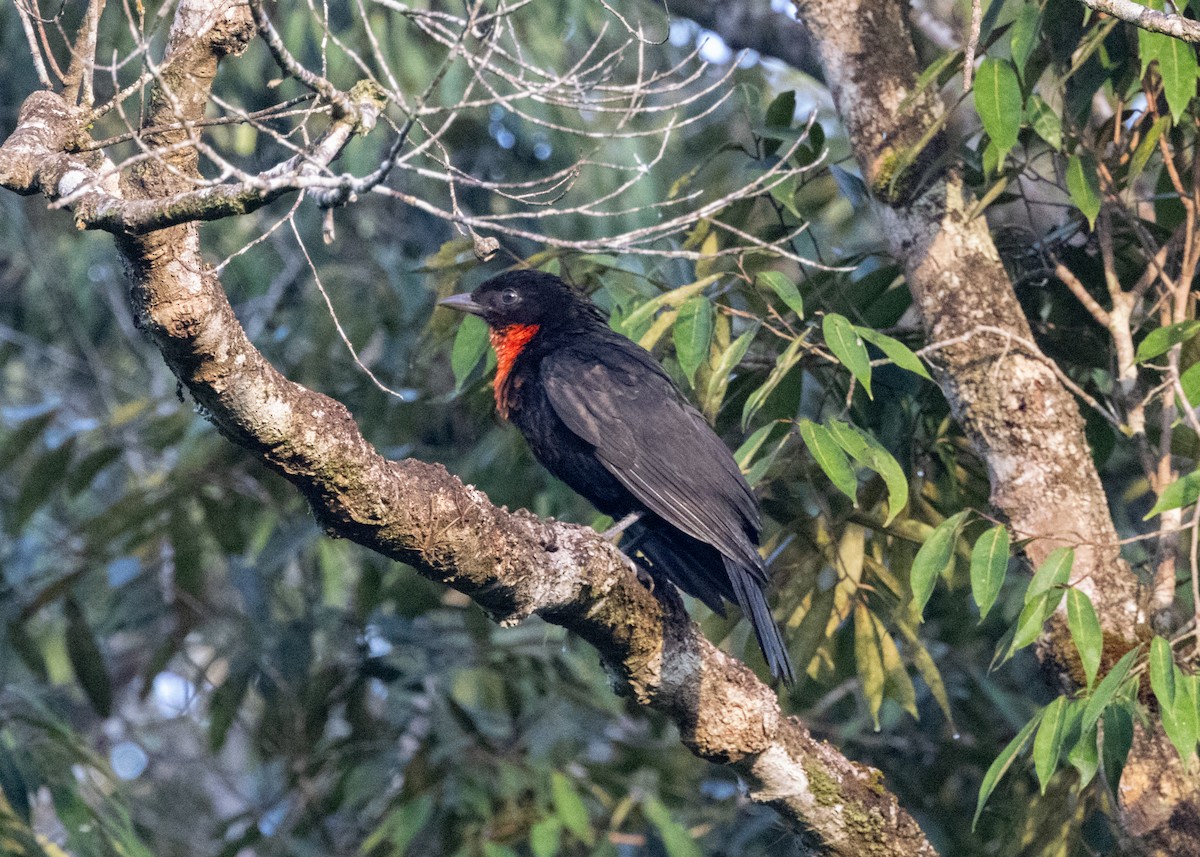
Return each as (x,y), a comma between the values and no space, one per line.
(513,564)
(1020,419)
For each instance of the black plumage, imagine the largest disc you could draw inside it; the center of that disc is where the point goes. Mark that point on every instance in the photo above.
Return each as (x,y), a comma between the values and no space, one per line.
(600,413)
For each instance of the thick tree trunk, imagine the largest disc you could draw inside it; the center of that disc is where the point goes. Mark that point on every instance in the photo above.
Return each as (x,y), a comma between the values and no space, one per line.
(1019,417)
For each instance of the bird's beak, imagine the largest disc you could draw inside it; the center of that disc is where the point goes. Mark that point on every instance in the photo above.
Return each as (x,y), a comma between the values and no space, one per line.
(462,303)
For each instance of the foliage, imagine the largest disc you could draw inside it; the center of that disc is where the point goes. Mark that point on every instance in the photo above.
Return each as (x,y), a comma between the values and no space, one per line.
(189,667)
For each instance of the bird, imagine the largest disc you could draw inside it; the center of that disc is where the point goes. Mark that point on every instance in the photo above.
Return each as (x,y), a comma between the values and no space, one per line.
(602,415)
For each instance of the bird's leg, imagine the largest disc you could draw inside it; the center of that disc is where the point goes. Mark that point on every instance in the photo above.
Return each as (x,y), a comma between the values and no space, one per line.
(622,525)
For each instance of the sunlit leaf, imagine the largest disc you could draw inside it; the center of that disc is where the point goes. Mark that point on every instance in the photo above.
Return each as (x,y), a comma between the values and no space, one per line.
(784,363)
(989,563)
(829,457)
(1047,746)
(870,453)
(1147,147)
(545,837)
(934,558)
(782,286)
(1085,631)
(998,102)
(868,659)
(470,344)
(1162,340)
(1084,186)
(1184,491)
(1003,762)
(1055,570)
(570,809)
(718,381)
(1023,35)
(896,351)
(677,842)
(847,346)
(1107,690)
(1045,122)
(693,334)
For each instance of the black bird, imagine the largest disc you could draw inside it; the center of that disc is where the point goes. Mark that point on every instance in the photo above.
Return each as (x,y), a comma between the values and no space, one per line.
(600,413)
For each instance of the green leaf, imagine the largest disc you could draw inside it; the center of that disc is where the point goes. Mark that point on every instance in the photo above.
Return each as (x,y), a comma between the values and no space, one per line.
(545,837)
(718,381)
(86,660)
(1190,381)
(780,113)
(868,658)
(1047,746)
(470,344)
(677,842)
(898,685)
(783,364)
(896,351)
(1176,65)
(693,335)
(44,476)
(934,558)
(1033,616)
(989,563)
(1180,722)
(226,700)
(998,102)
(1107,689)
(1085,757)
(88,467)
(570,809)
(751,445)
(1045,122)
(1023,35)
(400,826)
(1184,491)
(1162,340)
(1002,763)
(829,457)
(847,346)
(1148,146)
(1084,186)
(928,669)
(870,453)
(1085,631)
(633,323)
(784,288)
(1055,570)
(1118,738)
(1162,672)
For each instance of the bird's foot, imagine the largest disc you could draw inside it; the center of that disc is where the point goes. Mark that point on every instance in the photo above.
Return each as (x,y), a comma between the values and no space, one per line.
(622,525)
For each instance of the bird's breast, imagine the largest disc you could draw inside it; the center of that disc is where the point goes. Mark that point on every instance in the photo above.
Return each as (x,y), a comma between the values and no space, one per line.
(509,342)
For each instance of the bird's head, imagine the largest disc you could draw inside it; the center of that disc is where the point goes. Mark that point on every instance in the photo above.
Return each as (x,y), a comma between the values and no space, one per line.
(524,298)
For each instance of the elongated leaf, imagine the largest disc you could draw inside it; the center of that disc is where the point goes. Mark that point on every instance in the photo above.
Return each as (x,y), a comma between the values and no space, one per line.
(1085,631)
(1160,341)
(400,826)
(784,288)
(45,475)
(1033,616)
(1147,147)
(1180,722)
(989,563)
(751,445)
(1046,122)
(1023,35)
(633,323)
(1003,762)
(1184,491)
(1176,65)
(1107,689)
(898,685)
(88,467)
(870,453)
(718,381)
(1055,570)
(847,346)
(86,659)
(1118,738)
(998,102)
(928,669)
(896,351)
(570,809)
(1085,757)
(1084,186)
(470,344)
(829,457)
(934,558)
(868,658)
(1047,746)
(677,842)
(1162,673)
(545,837)
(693,335)
(783,364)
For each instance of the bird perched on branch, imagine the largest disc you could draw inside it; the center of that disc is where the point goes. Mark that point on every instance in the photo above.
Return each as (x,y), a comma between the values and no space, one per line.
(600,413)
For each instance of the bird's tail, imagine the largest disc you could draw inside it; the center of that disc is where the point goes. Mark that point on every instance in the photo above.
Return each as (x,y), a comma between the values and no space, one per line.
(753,602)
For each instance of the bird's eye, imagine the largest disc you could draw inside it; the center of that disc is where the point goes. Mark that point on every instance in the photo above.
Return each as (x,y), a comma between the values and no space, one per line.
(508,297)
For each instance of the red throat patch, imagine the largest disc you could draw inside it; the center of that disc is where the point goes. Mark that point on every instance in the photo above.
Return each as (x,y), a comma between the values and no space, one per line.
(509,342)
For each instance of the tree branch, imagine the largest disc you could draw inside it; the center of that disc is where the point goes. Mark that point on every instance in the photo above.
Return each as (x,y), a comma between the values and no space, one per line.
(513,564)
(1148,19)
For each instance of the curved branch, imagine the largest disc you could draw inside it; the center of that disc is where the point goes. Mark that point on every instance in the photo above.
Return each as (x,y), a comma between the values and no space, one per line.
(1148,19)
(513,564)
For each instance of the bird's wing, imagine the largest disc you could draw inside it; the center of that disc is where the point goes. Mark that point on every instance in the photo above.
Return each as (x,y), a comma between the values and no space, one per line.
(618,399)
